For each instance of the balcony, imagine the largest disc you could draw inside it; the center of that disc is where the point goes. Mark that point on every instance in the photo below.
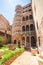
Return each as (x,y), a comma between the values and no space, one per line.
(29,20)
(29,32)
(32,32)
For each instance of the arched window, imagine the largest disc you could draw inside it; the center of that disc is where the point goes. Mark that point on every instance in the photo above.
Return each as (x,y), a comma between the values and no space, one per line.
(26,17)
(23,38)
(33,41)
(27,27)
(23,41)
(23,28)
(27,39)
(15,41)
(19,44)
(23,19)
(32,27)
(30,17)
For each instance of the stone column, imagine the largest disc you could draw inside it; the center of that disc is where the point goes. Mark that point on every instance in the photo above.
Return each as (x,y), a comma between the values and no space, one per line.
(30,42)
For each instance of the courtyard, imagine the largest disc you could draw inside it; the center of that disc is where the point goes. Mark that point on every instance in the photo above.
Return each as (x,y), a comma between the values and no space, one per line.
(11,57)
(6,54)
(21,32)
(25,59)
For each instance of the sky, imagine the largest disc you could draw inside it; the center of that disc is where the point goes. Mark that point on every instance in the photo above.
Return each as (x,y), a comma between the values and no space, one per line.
(7,8)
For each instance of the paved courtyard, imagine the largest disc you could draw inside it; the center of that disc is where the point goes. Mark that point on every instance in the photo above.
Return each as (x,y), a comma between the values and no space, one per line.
(25,59)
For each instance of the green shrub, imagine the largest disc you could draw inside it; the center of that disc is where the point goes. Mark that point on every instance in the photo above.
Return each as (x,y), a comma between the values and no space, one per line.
(9,53)
(1,39)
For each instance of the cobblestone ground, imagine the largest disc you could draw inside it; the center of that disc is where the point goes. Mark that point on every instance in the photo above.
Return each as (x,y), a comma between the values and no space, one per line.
(25,59)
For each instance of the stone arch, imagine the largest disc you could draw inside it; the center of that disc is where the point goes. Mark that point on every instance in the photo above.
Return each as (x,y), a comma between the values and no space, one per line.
(33,41)
(19,45)
(23,19)
(27,27)
(32,27)
(23,40)
(30,17)
(15,41)
(26,17)
(23,28)
(27,39)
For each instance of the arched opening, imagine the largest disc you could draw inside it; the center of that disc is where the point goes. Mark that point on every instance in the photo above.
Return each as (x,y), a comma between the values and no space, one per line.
(32,27)
(30,17)
(27,39)
(23,41)
(23,28)
(26,17)
(15,41)
(23,19)
(23,38)
(27,27)
(27,43)
(33,41)
(19,44)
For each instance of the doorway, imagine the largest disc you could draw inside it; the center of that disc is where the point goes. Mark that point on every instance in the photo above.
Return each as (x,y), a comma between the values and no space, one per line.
(15,41)
(27,43)
(33,42)
(19,44)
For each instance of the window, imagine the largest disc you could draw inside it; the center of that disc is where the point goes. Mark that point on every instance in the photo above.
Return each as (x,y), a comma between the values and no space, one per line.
(14,41)
(23,38)
(23,28)
(30,17)
(23,19)
(26,17)
(32,27)
(27,27)
(19,44)
(23,41)
(33,42)
(27,39)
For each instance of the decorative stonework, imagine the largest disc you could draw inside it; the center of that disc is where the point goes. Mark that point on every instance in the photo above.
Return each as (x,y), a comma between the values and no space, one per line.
(22,21)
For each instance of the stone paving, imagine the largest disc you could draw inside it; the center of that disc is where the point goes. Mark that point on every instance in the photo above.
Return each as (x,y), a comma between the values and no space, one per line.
(25,59)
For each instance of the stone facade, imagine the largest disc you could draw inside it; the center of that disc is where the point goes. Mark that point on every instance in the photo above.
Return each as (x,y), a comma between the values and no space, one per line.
(37,7)
(5,30)
(23,29)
